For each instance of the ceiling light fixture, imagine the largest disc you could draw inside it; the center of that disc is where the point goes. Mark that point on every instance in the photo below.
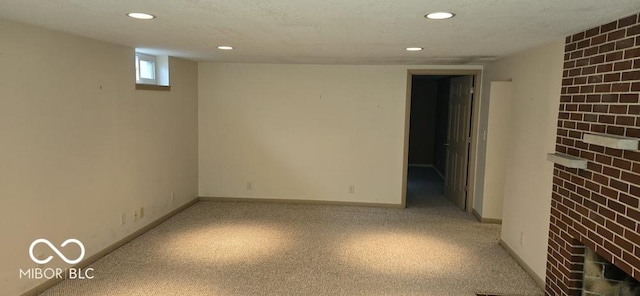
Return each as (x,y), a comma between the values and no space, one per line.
(141,15)
(439,15)
(414,48)
(225,47)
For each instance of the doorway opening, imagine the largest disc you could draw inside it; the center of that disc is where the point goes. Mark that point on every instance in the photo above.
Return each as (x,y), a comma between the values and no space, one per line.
(440,137)
(427,157)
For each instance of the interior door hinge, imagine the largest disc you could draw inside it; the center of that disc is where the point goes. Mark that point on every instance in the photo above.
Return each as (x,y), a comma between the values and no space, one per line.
(473,90)
(469,140)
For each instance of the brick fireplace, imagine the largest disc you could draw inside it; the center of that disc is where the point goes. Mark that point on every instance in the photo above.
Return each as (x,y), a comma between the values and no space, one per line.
(597,207)
(601,277)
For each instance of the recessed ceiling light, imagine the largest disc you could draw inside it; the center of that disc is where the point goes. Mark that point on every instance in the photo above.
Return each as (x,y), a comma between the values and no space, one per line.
(141,15)
(414,48)
(225,47)
(439,15)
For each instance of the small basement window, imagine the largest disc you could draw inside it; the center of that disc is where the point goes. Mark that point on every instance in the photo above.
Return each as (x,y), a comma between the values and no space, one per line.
(145,69)
(152,72)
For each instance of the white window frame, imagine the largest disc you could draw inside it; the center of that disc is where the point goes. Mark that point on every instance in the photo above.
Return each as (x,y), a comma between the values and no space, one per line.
(149,59)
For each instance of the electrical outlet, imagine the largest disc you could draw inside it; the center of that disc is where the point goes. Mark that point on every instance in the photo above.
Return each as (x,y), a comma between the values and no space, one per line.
(522,238)
(352,189)
(173,197)
(123,219)
(249,185)
(136,215)
(141,212)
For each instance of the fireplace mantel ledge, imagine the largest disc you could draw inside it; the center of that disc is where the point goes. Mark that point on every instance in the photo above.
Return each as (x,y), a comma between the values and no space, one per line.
(566,160)
(611,141)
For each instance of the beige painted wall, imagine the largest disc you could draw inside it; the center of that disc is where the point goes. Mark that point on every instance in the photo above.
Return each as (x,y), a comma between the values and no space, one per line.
(536,76)
(80,146)
(498,132)
(303,131)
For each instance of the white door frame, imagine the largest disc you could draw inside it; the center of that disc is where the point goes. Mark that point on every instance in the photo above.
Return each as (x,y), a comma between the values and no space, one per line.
(475,128)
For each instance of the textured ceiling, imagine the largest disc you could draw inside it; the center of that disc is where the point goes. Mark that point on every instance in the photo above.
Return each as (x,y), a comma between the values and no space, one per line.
(324,31)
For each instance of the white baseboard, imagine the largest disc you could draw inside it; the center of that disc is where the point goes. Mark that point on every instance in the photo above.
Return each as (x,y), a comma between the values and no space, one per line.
(420,165)
(303,201)
(428,166)
(88,261)
(485,220)
(539,281)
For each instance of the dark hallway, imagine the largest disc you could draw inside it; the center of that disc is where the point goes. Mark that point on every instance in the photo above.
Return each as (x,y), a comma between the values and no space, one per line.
(427,140)
(425,188)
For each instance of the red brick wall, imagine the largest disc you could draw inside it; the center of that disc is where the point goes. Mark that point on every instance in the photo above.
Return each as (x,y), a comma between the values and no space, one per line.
(597,207)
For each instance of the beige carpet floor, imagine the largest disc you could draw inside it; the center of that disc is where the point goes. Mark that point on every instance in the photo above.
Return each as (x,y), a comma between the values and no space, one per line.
(236,248)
